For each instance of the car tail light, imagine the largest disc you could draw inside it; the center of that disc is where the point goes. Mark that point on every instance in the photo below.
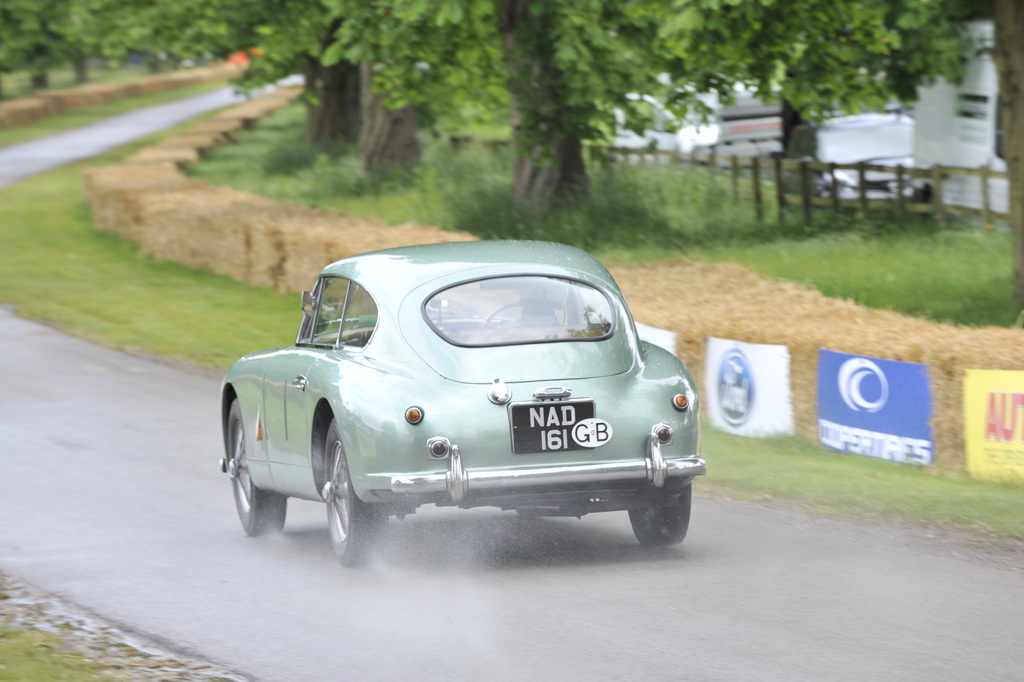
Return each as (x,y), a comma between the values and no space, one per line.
(439,448)
(414,415)
(663,432)
(680,402)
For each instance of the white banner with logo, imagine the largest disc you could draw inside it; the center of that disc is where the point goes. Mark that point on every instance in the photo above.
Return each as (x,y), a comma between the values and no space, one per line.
(747,388)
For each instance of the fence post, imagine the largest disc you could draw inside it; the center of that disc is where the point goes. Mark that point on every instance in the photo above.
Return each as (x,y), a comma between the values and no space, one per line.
(805,193)
(901,202)
(833,190)
(780,189)
(735,177)
(862,189)
(755,172)
(713,166)
(986,209)
(940,215)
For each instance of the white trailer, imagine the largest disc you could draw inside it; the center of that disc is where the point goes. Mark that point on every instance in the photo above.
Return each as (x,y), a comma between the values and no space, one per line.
(958,124)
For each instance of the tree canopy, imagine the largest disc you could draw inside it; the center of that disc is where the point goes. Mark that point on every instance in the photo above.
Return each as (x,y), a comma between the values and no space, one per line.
(560,66)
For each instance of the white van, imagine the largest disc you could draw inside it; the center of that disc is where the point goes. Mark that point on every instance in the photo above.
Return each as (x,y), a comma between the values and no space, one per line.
(749,127)
(746,127)
(958,124)
(663,132)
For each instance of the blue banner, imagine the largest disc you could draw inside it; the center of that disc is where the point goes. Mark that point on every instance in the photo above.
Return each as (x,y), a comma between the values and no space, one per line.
(874,407)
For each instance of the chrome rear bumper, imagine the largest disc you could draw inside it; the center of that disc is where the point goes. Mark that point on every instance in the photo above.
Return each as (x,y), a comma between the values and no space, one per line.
(458,482)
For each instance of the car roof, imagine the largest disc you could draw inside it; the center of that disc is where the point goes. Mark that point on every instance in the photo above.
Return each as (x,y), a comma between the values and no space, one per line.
(408,267)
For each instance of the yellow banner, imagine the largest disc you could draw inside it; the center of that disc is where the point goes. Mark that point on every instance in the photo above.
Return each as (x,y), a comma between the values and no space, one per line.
(994,424)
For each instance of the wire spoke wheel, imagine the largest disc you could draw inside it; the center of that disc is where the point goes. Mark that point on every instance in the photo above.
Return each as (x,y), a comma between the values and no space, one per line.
(339,499)
(352,524)
(260,511)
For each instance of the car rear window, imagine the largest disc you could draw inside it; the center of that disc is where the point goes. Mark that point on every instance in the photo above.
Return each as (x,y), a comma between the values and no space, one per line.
(501,311)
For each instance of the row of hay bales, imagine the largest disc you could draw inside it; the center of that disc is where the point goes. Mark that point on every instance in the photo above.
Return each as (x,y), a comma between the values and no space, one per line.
(278,244)
(25,110)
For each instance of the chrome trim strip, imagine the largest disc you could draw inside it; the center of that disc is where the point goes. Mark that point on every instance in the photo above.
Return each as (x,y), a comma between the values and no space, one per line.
(459,481)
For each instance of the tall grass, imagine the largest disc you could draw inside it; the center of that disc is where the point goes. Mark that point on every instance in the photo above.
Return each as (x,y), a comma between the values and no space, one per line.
(962,273)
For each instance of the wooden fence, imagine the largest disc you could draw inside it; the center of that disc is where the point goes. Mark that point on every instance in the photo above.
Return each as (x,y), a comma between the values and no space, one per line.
(786,184)
(794,183)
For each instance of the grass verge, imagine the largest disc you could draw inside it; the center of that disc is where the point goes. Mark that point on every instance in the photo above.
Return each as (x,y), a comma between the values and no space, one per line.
(800,474)
(55,268)
(30,655)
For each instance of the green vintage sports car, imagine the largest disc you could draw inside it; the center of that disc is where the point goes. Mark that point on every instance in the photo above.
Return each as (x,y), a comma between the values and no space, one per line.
(505,374)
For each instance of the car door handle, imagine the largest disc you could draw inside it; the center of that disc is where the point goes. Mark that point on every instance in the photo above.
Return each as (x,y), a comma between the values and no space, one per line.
(299,382)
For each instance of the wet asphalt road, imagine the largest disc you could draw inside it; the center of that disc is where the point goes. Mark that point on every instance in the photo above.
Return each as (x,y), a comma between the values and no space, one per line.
(110,497)
(20,161)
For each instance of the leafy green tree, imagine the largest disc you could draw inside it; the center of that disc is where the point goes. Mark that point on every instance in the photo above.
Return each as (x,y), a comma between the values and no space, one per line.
(820,54)
(559,64)
(33,35)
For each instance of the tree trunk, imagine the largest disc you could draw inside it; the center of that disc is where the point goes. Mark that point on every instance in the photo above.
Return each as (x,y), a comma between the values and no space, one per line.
(1009,59)
(549,151)
(791,118)
(81,70)
(40,81)
(389,139)
(333,110)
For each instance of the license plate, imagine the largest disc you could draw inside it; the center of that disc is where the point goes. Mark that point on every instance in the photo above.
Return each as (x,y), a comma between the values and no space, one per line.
(548,426)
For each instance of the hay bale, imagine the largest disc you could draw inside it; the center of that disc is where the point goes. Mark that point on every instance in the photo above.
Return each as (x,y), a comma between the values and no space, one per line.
(116,192)
(255,109)
(224,127)
(25,110)
(179,156)
(727,301)
(200,142)
(200,226)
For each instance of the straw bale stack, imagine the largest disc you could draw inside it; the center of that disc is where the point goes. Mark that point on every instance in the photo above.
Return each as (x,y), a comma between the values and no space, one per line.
(181,156)
(25,110)
(84,95)
(201,142)
(225,127)
(201,226)
(312,238)
(698,300)
(115,194)
(255,109)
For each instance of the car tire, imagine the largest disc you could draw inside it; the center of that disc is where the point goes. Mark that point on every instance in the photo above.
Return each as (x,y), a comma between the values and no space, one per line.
(352,524)
(260,511)
(660,526)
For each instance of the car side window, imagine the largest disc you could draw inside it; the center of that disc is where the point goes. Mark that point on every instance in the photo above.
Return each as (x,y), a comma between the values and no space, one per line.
(330,311)
(360,318)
